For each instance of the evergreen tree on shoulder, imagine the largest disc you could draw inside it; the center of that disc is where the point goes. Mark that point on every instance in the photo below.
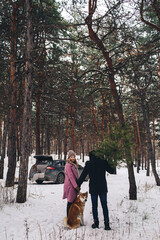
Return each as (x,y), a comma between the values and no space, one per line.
(115,146)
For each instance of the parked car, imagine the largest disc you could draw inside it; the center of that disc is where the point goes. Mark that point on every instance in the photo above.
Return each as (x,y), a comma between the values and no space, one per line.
(48,169)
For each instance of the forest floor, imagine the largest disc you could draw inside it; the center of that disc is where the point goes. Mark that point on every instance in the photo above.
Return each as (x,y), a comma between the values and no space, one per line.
(41,216)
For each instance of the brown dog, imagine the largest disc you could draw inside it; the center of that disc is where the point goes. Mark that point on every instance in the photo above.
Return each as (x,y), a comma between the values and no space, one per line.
(75,215)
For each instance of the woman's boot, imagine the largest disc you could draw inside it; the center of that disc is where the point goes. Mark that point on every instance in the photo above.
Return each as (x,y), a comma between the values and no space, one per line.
(95,224)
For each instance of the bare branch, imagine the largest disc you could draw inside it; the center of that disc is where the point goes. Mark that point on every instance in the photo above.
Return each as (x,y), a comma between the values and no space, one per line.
(145,21)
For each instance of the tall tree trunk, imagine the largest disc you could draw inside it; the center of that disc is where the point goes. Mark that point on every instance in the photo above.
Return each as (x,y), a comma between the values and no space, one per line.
(153,133)
(94,122)
(12,114)
(155,5)
(59,140)
(46,135)
(21,104)
(66,134)
(73,129)
(136,150)
(145,111)
(94,37)
(159,67)
(132,192)
(88,143)
(82,139)
(42,139)
(151,157)
(41,77)
(139,140)
(103,115)
(147,162)
(0,134)
(82,146)
(67,120)
(23,171)
(3,153)
(37,130)
(48,140)
(142,156)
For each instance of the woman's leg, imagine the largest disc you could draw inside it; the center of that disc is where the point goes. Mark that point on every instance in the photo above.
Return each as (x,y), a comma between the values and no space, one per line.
(68,207)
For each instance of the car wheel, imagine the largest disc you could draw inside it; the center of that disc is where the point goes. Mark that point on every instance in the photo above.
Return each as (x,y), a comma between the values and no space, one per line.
(60,178)
(39,181)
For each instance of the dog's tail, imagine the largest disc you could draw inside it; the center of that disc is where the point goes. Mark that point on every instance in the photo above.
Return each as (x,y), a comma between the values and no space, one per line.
(71,225)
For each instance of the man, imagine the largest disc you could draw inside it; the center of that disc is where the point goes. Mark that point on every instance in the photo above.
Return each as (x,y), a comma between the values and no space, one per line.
(96,168)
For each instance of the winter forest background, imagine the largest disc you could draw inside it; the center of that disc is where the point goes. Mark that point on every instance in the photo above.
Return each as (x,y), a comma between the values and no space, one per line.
(79,75)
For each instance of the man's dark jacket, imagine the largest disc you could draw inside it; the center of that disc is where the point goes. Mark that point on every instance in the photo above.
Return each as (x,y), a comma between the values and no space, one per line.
(96,168)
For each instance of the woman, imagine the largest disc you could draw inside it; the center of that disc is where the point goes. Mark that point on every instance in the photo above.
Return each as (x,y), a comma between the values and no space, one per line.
(71,188)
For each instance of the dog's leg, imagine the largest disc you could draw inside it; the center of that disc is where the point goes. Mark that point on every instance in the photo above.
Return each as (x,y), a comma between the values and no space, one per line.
(81,219)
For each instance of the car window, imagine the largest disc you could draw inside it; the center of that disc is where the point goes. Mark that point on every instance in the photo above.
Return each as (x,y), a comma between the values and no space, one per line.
(43,162)
(50,163)
(60,163)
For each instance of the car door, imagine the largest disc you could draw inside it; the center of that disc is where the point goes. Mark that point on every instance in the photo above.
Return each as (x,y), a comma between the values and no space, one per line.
(60,165)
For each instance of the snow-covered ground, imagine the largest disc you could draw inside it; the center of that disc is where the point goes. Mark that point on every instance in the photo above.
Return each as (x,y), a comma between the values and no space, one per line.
(41,217)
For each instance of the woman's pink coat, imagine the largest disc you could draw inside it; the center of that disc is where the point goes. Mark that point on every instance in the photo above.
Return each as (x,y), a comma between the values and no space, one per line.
(70,183)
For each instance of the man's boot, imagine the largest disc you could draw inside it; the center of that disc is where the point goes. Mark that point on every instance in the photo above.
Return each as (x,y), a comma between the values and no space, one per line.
(106,225)
(95,224)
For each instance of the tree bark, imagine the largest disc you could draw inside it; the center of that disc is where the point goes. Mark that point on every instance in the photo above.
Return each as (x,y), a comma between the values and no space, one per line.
(151,157)
(153,133)
(145,110)
(103,115)
(73,129)
(66,134)
(47,137)
(3,153)
(132,189)
(23,171)
(155,5)
(38,94)
(159,67)
(59,138)
(94,122)
(0,134)
(138,138)
(41,77)
(21,104)
(42,139)
(82,139)
(12,114)
(67,121)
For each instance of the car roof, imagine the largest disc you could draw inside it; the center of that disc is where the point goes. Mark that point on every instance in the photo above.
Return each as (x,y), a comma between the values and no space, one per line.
(60,160)
(43,157)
